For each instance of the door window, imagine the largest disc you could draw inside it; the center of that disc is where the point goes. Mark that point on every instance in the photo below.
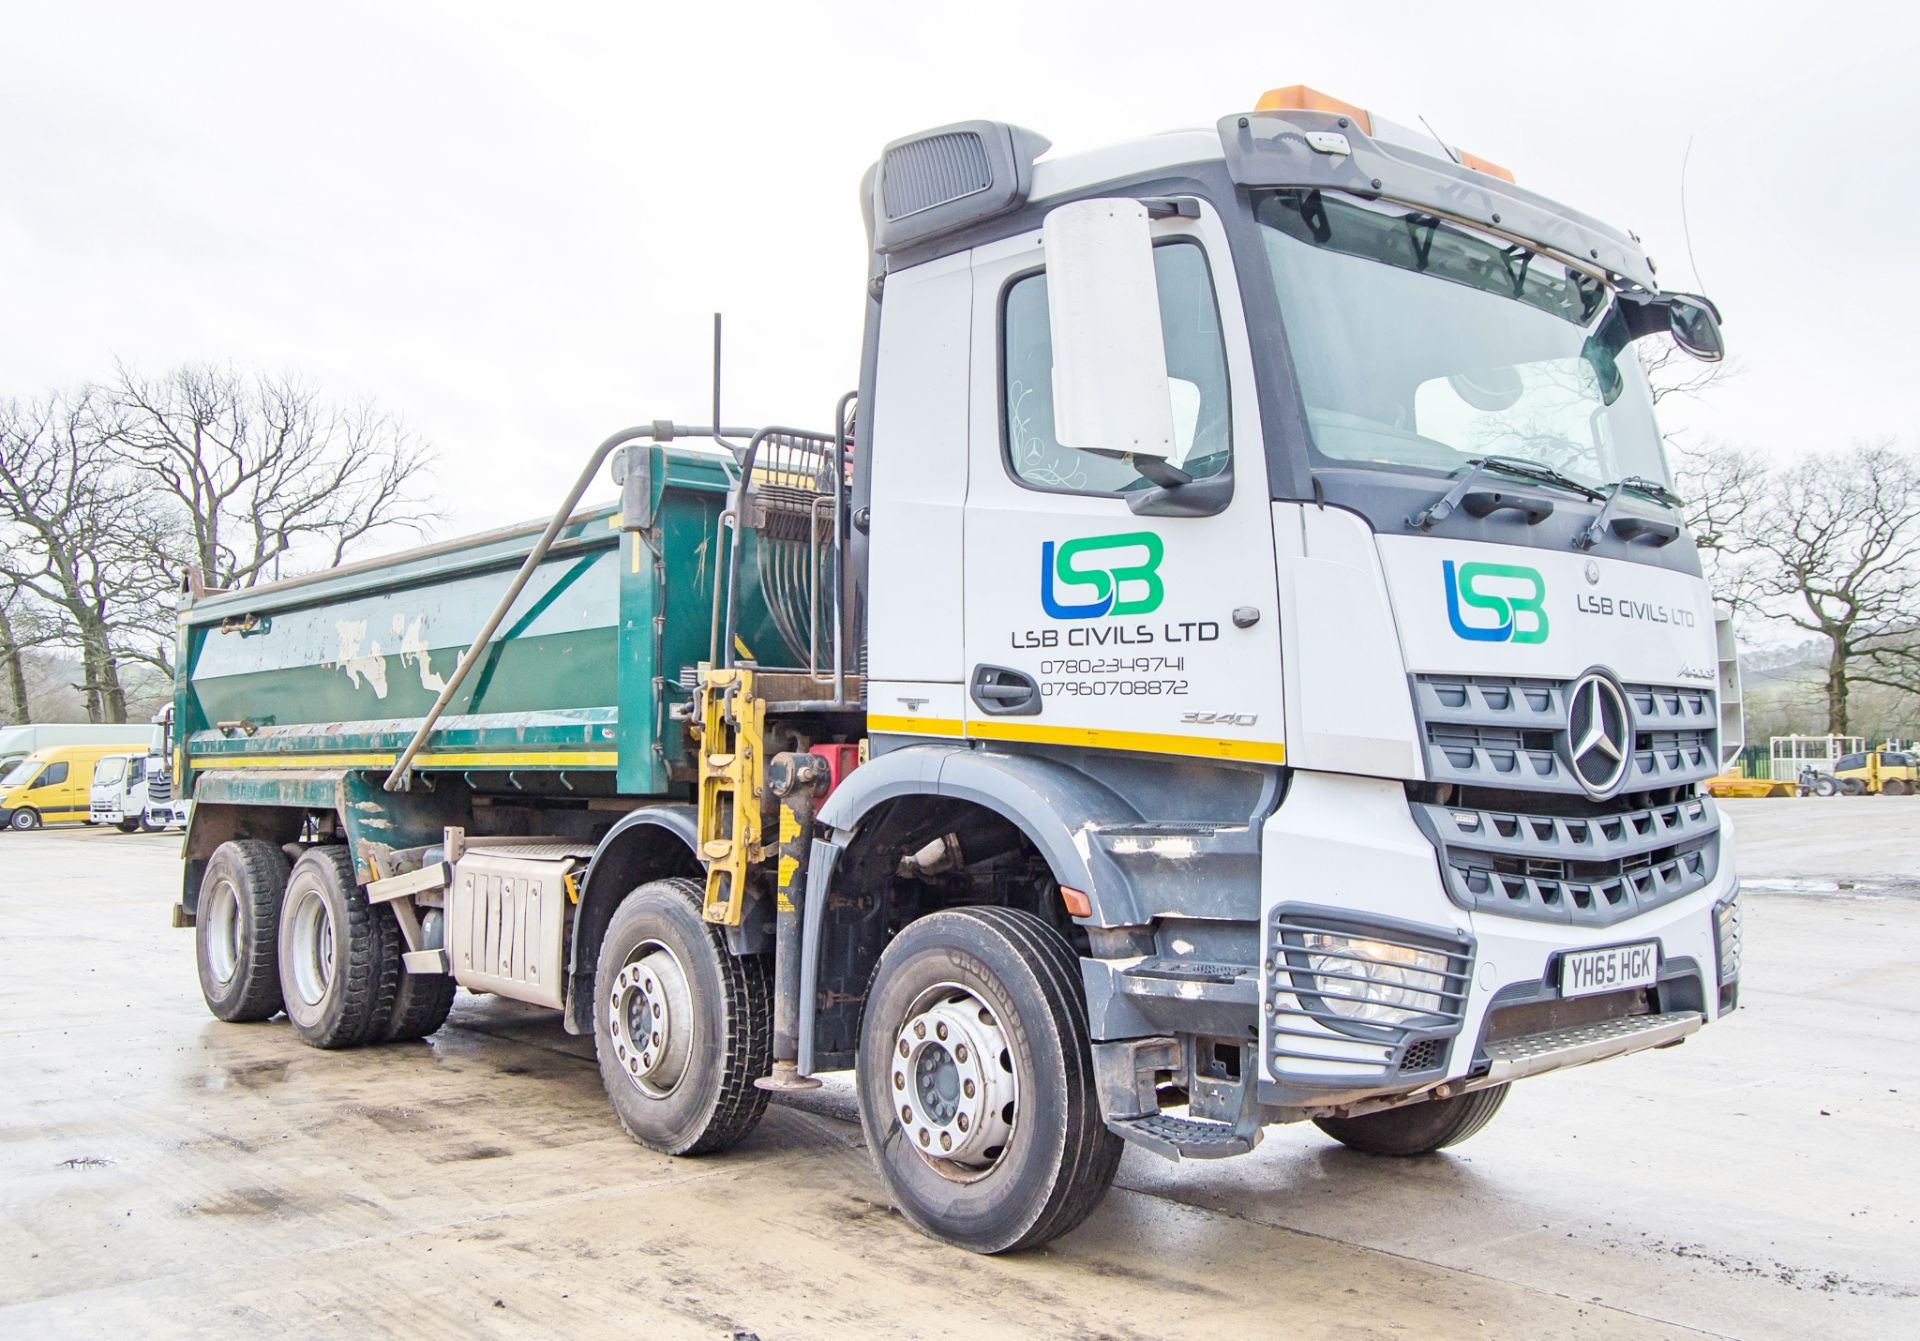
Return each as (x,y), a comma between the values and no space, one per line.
(1196,368)
(55,774)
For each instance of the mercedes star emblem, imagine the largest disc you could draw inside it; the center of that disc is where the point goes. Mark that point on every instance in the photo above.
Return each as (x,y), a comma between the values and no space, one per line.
(1593,573)
(1599,734)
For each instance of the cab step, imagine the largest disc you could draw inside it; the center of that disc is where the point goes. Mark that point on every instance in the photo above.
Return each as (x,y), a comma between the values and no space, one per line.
(1187,1138)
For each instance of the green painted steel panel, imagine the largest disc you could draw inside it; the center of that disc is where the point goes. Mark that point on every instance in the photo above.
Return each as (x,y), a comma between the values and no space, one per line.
(338,669)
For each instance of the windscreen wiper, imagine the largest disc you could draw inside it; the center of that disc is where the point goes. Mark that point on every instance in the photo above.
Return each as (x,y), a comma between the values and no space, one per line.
(1632,528)
(1427,518)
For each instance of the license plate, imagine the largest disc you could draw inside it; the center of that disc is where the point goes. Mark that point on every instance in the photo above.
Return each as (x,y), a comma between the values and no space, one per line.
(1619,966)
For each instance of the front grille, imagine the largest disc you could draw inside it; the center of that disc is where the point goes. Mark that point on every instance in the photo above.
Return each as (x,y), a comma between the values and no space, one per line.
(1309,1039)
(1512,733)
(1591,870)
(1518,835)
(159,788)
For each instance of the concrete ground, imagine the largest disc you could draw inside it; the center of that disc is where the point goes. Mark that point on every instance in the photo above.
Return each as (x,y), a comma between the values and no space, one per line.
(163,1174)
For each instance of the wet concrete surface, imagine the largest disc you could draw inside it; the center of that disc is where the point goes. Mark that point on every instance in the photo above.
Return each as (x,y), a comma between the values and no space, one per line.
(163,1174)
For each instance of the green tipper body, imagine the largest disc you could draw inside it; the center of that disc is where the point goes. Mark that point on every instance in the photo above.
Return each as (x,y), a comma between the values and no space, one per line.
(334,673)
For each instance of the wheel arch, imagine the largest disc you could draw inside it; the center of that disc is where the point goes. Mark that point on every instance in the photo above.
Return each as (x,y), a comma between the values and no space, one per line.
(651,843)
(846,927)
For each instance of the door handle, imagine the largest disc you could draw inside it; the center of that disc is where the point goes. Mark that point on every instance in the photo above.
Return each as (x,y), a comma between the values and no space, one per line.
(1000,691)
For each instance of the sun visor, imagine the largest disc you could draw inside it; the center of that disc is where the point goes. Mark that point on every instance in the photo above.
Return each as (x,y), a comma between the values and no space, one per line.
(1331,151)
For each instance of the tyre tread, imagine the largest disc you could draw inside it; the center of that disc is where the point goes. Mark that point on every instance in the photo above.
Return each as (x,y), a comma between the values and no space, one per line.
(263,869)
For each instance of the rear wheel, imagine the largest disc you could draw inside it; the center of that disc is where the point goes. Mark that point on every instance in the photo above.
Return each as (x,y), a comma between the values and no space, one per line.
(1852,787)
(1893,787)
(25,819)
(237,930)
(339,972)
(682,1026)
(976,1081)
(1417,1129)
(421,1004)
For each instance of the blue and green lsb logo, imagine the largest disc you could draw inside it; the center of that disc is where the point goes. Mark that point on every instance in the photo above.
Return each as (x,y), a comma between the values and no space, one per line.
(1513,597)
(1098,566)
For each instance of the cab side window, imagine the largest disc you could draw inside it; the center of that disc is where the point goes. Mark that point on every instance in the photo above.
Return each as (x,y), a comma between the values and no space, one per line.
(1850,761)
(1196,367)
(52,775)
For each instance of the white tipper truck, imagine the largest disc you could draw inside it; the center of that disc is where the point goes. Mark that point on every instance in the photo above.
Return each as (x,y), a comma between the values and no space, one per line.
(1271,682)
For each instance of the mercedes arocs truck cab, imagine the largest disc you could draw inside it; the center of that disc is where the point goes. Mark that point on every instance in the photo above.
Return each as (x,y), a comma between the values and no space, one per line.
(1242,663)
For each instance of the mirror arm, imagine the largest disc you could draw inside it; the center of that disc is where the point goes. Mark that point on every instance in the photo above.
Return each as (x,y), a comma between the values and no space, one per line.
(1156,471)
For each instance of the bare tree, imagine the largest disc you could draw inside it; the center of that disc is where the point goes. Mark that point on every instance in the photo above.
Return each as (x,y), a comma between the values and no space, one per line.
(1725,491)
(262,466)
(1834,548)
(13,656)
(81,533)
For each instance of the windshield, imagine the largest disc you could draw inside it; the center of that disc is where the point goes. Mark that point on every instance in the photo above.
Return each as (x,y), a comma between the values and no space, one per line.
(20,772)
(1421,343)
(110,769)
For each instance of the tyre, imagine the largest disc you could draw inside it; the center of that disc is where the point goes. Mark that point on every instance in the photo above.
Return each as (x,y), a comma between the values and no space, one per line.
(1417,1129)
(976,1081)
(339,972)
(420,1004)
(148,826)
(129,825)
(237,930)
(1826,787)
(1893,787)
(682,1026)
(25,819)
(1853,787)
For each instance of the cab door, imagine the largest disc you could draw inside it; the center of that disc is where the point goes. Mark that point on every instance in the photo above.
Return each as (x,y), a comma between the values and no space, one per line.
(1151,627)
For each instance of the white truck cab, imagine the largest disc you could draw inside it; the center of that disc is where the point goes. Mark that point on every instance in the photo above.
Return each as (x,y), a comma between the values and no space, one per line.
(1274,520)
(118,794)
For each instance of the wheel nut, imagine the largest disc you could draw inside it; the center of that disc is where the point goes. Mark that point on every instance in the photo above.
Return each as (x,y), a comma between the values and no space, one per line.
(906,1114)
(656,1012)
(962,1121)
(903,1047)
(960,1053)
(923,1136)
(919,1028)
(968,1088)
(940,1031)
(899,1080)
(656,1039)
(946,1141)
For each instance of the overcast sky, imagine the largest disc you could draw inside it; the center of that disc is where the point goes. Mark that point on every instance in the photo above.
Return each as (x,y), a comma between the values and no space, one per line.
(512,228)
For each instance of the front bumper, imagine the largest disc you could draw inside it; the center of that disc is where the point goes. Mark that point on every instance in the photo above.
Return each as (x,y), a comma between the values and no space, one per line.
(1346,854)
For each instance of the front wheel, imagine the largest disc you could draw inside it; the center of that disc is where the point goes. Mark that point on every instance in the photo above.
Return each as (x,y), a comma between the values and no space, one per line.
(1417,1129)
(129,825)
(25,820)
(1826,787)
(1893,787)
(682,1025)
(976,1081)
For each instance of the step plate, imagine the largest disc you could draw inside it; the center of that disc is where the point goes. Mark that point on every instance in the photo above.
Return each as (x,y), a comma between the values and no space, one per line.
(1557,1049)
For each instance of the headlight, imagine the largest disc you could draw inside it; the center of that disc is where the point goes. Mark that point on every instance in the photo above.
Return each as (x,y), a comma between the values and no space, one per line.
(1375,982)
(1726,930)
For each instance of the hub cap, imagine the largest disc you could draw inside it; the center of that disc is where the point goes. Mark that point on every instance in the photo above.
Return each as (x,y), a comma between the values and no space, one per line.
(223,931)
(650,1018)
(312,947)
(953,1083)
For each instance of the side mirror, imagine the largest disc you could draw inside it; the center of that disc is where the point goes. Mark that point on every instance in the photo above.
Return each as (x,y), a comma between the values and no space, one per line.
(1695,324)
(1693,321)
(1110,387)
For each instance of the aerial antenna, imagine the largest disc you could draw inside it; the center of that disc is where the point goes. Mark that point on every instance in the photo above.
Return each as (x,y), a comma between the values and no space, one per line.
(716,421)
(1442,143)
(1686,229)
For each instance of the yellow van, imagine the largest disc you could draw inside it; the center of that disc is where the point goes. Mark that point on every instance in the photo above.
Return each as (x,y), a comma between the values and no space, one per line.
(52,785)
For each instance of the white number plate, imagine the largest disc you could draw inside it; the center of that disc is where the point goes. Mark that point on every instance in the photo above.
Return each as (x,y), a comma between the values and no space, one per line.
(1609,970)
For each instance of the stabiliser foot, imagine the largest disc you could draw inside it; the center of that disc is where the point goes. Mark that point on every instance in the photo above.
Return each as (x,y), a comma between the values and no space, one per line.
(786,1079)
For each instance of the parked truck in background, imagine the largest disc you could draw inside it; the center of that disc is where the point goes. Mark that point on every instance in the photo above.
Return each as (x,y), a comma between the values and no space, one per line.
(1235,659)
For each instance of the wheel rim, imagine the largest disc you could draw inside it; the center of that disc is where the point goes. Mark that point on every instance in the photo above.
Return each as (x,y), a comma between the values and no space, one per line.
(651,1020)
(223,931)
(23,819)
(311,942)
(953,1084)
